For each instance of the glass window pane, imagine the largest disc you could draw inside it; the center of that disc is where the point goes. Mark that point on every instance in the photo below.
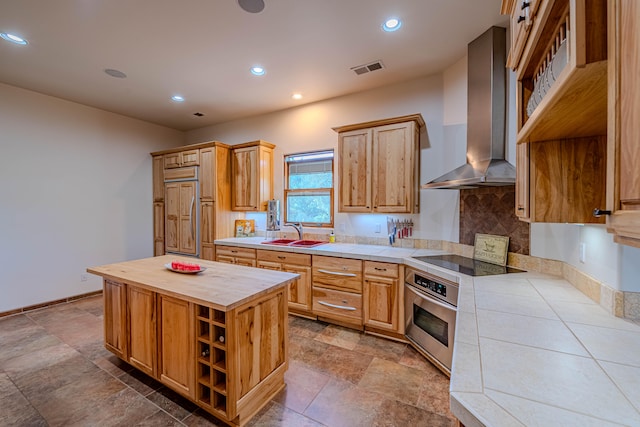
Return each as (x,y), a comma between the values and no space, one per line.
(309,207)
(310,180)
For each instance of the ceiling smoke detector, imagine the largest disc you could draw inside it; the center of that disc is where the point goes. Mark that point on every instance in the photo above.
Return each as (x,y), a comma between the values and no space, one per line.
(251,6)
(373,66)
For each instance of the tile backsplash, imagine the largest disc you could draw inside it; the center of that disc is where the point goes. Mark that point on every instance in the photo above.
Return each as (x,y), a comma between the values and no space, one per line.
(491,210)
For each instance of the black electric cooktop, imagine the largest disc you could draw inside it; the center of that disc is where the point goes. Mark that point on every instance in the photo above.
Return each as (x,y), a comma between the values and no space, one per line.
(468,266)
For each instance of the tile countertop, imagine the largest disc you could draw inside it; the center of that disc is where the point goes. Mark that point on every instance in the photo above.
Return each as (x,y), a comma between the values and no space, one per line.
(530,349)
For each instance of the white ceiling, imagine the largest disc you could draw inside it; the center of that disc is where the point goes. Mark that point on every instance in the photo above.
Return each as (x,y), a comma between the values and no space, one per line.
(203,49)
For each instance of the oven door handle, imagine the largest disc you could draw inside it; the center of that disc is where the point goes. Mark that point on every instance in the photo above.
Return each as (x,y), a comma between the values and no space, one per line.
(431,299)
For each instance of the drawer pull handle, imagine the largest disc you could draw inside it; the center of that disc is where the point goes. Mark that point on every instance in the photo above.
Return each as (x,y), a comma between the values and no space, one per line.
(380,269)
(234,252)
(282,257)
(341,307)
(336,273)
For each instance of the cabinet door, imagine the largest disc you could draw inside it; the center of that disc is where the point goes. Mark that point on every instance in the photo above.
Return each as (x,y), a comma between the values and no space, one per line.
(381,302)
(172,160)
(207,228)
(244,170)
(354,171)
(299,290)
(158,179)
(188,224)
(115,318)
(176,344)
(190,158)
(142,329)
(522,181)
(393,159)
(158,228)
(245,261)
(172,216)
(207,168)
(623,190)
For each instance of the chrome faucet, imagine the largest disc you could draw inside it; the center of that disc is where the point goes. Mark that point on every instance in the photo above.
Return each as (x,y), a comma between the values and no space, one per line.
(298,228)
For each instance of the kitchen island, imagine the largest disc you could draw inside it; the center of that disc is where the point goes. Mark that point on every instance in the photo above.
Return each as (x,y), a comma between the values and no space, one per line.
(217,337)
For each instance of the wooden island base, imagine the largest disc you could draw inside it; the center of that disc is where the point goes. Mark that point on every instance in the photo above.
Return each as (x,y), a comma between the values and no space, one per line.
(219,337)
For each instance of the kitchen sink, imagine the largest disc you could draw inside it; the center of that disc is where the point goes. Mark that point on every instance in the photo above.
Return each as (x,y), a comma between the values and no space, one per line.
(296,243)
(280,242)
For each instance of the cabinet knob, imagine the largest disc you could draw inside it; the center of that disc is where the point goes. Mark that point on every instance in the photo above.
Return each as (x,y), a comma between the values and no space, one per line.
(520,208)
(597,212)
(525,4)
(521,18)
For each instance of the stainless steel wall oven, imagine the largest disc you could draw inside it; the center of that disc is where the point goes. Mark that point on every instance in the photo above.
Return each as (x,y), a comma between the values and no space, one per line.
(430,315)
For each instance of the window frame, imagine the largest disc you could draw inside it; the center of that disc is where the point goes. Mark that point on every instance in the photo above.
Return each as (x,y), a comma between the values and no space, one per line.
(307,191)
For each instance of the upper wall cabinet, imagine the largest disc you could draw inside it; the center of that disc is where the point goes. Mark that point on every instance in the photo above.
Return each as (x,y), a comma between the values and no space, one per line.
(562,68)
(623,169)
(252,176)
(559,54)
(523,13)
(181,158)
(379,165)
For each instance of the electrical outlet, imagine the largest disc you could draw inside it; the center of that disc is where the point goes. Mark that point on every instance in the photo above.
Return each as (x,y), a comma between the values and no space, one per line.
(84,277)
(583,252)
(378,227)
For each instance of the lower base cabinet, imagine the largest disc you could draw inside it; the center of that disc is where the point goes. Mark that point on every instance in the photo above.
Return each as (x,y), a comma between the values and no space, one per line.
(228,362)
(383,295)
(300,290)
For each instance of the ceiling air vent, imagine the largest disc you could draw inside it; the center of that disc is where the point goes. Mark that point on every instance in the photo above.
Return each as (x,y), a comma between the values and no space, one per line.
(373,66)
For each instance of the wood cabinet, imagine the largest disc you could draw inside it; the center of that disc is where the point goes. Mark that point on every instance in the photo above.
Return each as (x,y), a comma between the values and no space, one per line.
(523,14)
(142,329)
(236,255)
(252,176)
(176,344)
(559,53)
(379,165)
(218,338)
(115,318)
(208,164)
(567,180)
(299,290)
(337,289)
(181,219)
(623,176)
(182,158)
(383,296)
(522,181)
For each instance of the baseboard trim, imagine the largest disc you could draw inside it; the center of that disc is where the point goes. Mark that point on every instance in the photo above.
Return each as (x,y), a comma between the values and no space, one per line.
(48,304)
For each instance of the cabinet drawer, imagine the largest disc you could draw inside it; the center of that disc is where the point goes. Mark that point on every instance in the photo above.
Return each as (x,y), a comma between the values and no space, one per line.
(381,269)
(344,304)
(341,274)
(232,251)
(284,257)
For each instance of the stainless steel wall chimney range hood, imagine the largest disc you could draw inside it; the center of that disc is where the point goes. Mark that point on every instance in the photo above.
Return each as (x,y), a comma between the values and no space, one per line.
(486,118)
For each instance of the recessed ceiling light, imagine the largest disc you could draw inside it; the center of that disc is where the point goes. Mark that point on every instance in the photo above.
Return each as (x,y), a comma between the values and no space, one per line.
(257,71)
(297,96)
(251,6)
(392,24)
(177,98)
(13,38)
(115,73)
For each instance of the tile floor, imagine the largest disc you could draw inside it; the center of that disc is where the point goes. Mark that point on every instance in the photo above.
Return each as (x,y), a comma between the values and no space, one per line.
(55,371)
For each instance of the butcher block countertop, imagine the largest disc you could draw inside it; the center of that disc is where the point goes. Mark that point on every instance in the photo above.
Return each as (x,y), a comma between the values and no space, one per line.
(225,286)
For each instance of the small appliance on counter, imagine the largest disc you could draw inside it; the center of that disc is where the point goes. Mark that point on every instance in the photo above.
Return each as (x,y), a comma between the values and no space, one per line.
(273,216)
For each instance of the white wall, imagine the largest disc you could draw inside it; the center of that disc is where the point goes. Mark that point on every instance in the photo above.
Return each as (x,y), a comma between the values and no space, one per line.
(76,193)
(310,127)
